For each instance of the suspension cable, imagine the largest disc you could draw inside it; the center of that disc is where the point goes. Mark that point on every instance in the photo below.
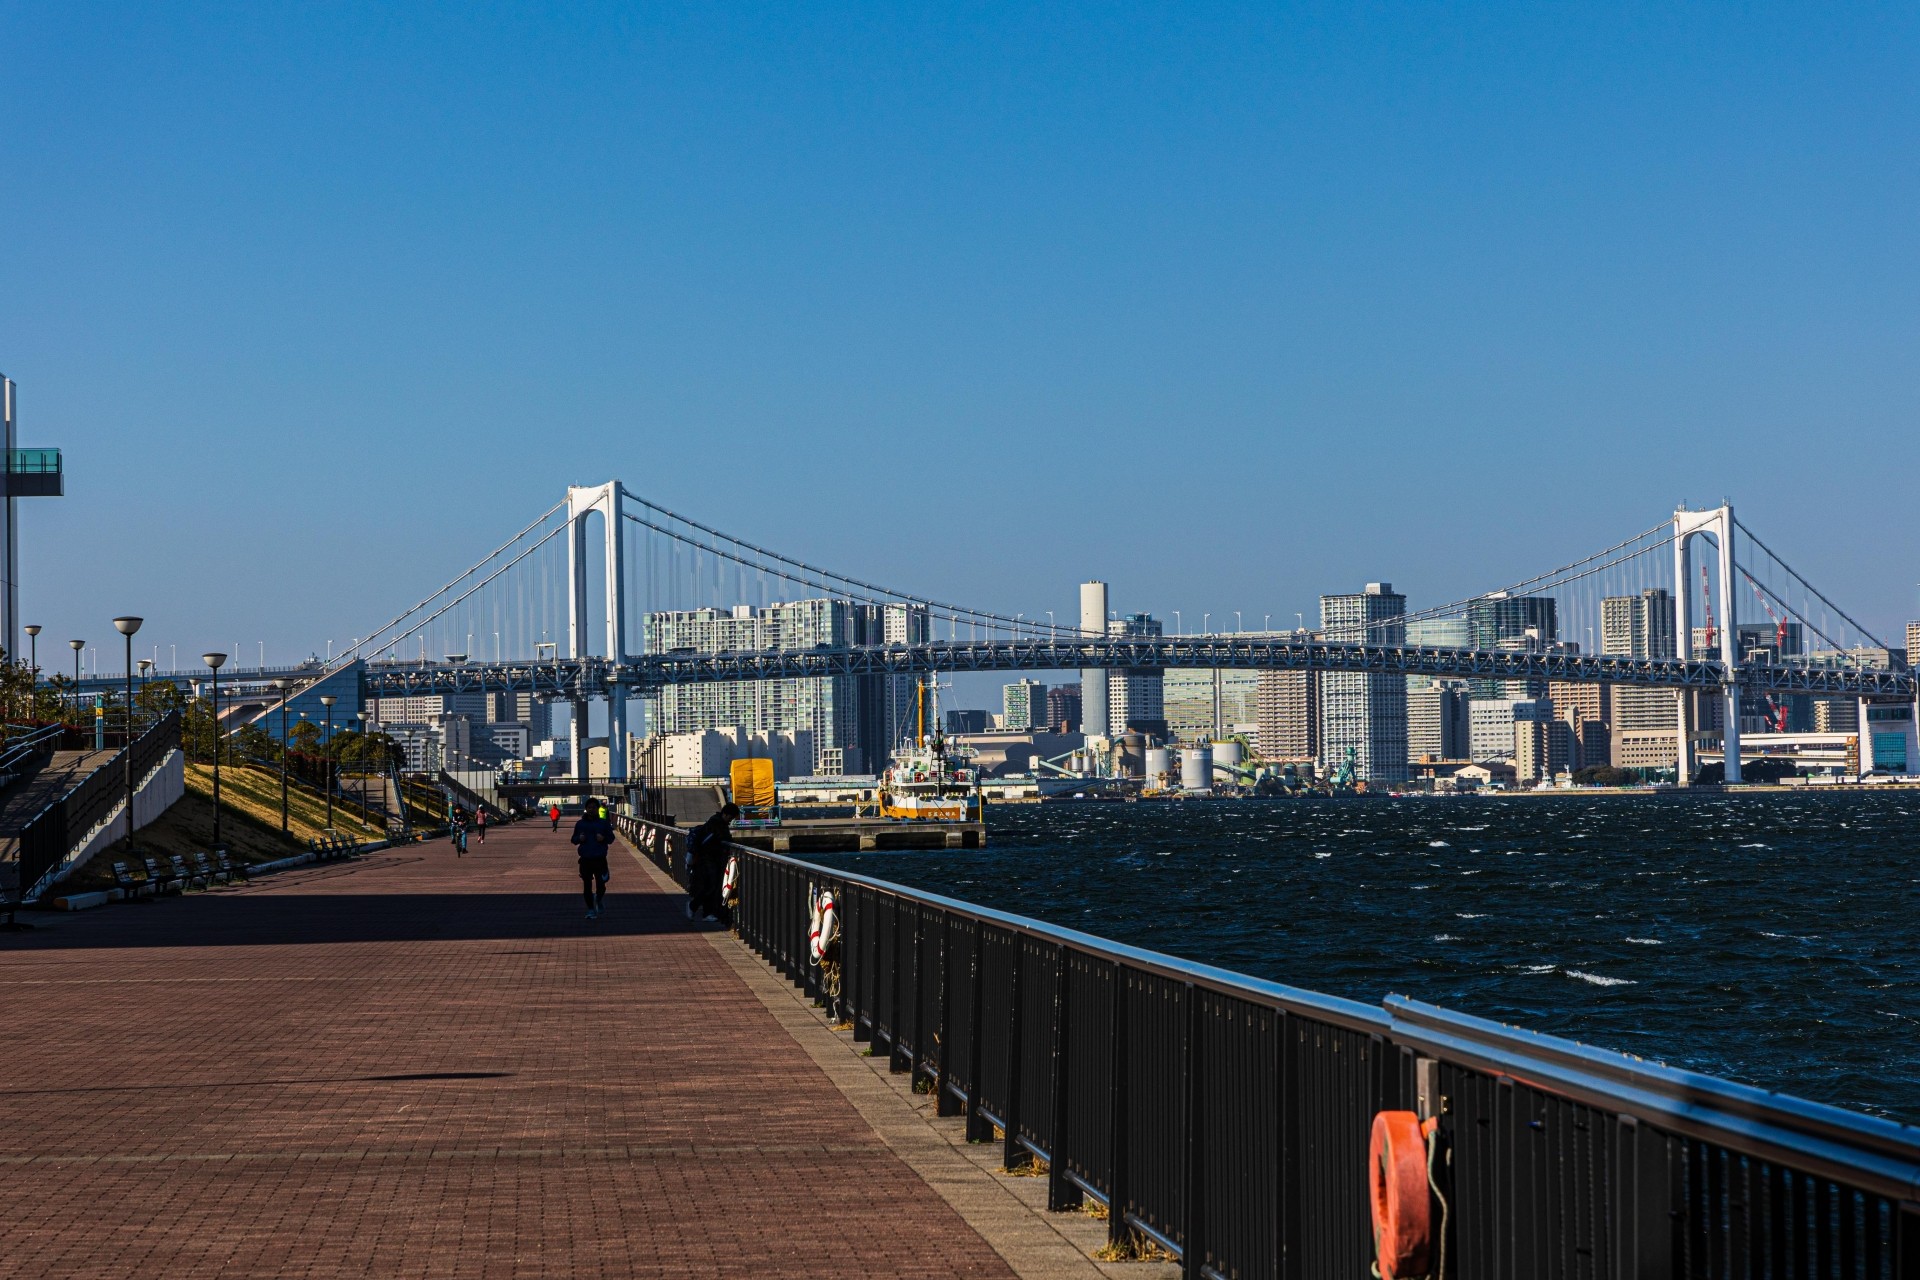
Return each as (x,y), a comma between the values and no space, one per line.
(448,587)
(824,579)
(1878,643)
(1551,578)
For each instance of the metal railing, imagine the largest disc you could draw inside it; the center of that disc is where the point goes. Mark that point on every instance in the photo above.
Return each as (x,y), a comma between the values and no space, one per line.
(50,836)
(1227,1118)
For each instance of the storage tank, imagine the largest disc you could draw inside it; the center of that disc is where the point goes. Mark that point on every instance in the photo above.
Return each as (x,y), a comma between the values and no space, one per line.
(1229,753)
(1130,751)
(1159,766)
(1196,769)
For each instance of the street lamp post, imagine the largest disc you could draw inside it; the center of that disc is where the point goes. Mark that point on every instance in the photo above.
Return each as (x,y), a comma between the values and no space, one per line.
(283,686)
(146,668)
(366,810)
(126,627)
(33,667)
(76,646)
(213,661)
(327,701)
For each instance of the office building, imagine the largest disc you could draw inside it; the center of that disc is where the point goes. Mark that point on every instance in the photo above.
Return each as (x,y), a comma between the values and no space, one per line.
(1063,708)
(1364,714)
(966,721)
(1497,620)
(853,722)
(1437,724)
(1490,729)
(1287,715)
(1094,718)
(1136,699)
(1023,706)
(1913,646)
(1210,703)
(1440,633)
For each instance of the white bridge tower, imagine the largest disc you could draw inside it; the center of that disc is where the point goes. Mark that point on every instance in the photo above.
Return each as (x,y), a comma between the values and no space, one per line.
(609,501)
(1687,525)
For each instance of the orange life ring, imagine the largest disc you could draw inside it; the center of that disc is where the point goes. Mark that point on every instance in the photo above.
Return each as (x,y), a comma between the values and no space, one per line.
(1402,1201)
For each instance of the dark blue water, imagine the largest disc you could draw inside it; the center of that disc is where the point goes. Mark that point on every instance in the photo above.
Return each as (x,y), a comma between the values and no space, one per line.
(1769,938)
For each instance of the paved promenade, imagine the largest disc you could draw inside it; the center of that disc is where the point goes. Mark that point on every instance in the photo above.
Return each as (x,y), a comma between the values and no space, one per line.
(417,1066)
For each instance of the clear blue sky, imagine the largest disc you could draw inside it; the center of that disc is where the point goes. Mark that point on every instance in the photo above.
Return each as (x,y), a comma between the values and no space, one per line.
(1230,306)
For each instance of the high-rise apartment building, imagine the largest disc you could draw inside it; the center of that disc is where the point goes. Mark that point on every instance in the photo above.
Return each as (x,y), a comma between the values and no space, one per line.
(854,721)
(1364,712)
(1136,699)
(1587,711)
(1502,621)
(1023,706)
(1063,707)
(1287,711)
(1542,744)
(1913,646)
(1490,729)
(1437,725)
(1641,626)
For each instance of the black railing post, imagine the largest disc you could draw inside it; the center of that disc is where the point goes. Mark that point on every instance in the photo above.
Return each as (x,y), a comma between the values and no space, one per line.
(943,1103)
(1062,1194)
(1118,1234)
(977,1128)
(893,988)
(1012,1154)
(1191,1181)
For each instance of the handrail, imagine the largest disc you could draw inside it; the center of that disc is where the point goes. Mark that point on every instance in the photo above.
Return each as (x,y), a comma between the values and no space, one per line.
(1227,1117)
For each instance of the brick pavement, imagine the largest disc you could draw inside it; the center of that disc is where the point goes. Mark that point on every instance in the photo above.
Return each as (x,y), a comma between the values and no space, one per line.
(417,1066)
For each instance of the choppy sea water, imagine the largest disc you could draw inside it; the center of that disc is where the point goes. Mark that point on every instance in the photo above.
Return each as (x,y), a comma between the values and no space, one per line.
(1769,938)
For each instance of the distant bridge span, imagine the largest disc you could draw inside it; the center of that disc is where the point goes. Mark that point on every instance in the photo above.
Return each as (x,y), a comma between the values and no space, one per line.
(592,677)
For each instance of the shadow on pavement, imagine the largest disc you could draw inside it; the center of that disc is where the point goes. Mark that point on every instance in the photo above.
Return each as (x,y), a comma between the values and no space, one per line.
(243,919)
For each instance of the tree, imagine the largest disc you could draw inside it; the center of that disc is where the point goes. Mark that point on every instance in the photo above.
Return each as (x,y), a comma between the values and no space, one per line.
(1603,775)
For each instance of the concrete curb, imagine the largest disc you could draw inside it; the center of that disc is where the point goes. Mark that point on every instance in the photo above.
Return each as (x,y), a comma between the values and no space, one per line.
(302,859)
(83,901)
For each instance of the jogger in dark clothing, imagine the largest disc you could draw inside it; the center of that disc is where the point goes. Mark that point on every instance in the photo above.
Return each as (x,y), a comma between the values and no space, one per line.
(594,835)
(706,860)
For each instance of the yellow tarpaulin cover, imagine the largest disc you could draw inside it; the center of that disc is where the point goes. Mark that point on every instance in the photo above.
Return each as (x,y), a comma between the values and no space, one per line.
(753,784)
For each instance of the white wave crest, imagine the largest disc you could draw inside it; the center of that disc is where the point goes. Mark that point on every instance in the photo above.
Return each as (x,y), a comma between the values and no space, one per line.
(1599,981)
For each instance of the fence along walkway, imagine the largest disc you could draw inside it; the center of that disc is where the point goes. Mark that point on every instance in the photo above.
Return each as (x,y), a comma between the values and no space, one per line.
(420,1066)
(1228,1118)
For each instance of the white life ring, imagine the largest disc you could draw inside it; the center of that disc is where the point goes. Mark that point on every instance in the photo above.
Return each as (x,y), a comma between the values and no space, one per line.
(730,879)
(823,924)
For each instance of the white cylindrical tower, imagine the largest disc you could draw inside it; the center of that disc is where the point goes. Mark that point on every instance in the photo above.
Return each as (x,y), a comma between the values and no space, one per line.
(1093,684)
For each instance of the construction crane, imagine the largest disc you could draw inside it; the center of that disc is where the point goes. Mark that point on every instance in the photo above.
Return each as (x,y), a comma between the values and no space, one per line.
(1777,707)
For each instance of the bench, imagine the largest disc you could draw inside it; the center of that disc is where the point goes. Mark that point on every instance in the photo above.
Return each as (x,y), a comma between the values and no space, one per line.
(163,881)
(207,872)
(185,875)
(132,887)
(229,867)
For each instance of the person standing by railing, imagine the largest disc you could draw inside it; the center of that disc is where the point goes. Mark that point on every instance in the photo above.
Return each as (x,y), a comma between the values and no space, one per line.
(594,836)
(706,855)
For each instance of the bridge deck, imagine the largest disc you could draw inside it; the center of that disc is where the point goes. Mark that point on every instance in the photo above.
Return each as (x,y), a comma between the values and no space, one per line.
(427,1067)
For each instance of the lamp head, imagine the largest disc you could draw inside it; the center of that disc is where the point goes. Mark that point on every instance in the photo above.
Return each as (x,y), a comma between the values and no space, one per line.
(143,664)
(327,699)
(214,660)
(282,685)
(76,645)
(32,628)
(127,626)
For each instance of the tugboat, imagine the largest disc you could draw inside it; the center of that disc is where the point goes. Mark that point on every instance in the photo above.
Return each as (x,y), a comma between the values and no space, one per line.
(930,779)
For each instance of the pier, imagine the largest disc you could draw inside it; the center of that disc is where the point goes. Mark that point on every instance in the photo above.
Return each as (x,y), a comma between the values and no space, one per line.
(414,1064)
